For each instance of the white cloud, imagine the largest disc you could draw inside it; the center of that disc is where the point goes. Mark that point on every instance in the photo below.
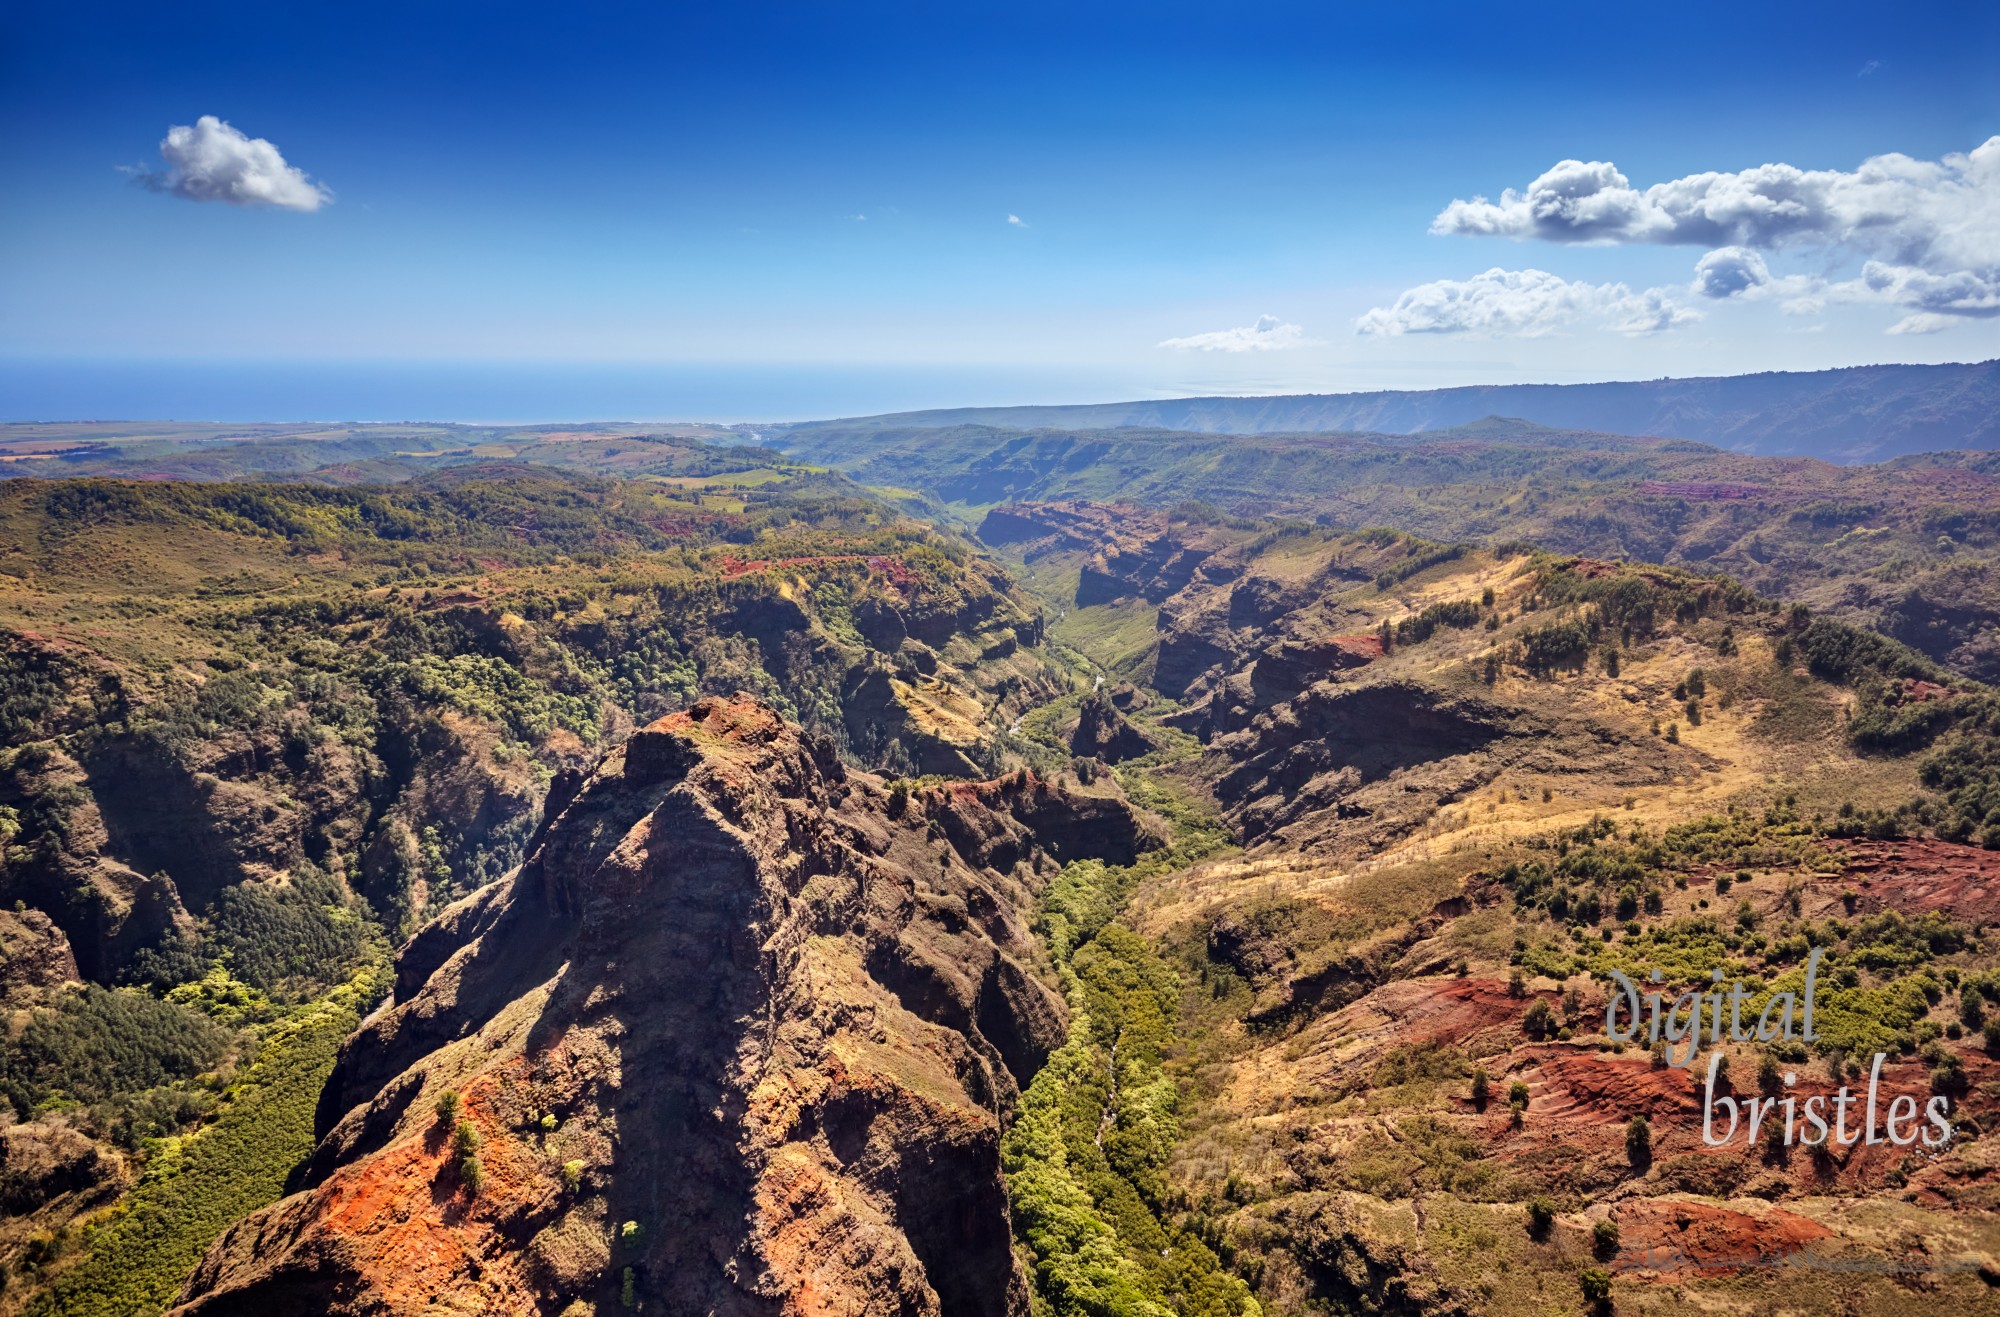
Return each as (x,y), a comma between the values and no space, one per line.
(1727,271)
(1524,304)
(1933,214)
(1928,231)
(211,161)
(1738,272)
(1267,335)
(1017,221)
(1935,301)
(1959,293)
(1924,322)
(1869,68)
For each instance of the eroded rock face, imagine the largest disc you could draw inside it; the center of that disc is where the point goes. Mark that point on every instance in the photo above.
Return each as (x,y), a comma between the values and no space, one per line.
(1351,765)
(33,952)
(1103,732)
(739,1034)
(1133,550)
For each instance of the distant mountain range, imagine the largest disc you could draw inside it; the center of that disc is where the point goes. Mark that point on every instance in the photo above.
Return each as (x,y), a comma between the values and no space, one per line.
(1864,413)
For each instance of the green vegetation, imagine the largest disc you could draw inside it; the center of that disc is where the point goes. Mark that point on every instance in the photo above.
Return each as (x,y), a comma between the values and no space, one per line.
(96,1043)
(465,1143)
(314,713)
(447,646)
(1423,556)
(138,1255)
(1638,1151)
(1457,613)
(1086,1158)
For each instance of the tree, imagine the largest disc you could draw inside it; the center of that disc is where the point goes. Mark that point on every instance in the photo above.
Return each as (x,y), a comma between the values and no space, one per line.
(1639,1142)
(1595,1282)
(1540,1021)
(1604,1237)
(447,1107)
(1481,1088)
(1541,1215)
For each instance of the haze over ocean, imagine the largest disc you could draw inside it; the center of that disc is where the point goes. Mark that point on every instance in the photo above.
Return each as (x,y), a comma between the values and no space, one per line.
(515,392)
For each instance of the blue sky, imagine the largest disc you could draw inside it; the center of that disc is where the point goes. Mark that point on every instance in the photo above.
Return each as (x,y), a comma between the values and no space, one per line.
(612,188)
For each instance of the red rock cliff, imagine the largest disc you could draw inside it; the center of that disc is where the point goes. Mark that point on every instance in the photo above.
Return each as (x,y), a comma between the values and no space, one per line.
(739,1035)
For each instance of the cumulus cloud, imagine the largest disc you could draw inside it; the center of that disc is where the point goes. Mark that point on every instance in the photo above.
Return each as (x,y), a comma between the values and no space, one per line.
(1959,293)
(1017,221)
(1524,304)
(1933,214)
(1267,335)
(211,161)
(1728,271)
(1935,301)
(1928,231)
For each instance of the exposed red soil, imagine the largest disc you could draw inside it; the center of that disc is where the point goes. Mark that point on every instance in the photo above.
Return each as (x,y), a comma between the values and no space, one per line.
(1676,1239)
(413,1225)
(1916,876)
(740,719)
(984,793)
(1434,1010)
(895,569)
(1603,1088)
(1592,568)
(1581,1098)
(1917,691)
(1355,650)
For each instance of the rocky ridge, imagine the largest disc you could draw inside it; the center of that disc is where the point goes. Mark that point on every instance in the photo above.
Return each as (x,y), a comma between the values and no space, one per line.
(737,1038)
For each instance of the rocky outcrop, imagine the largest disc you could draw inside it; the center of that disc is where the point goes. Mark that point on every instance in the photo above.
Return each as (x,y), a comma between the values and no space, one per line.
(1131,550)
(1359,764)
(33,952)
(1103,732)
(737,1038)
(1316,752)
(103,910)
(44,1160)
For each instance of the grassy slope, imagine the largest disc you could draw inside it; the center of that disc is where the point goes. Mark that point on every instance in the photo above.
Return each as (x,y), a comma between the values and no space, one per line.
(1254,1106)
(138,1254)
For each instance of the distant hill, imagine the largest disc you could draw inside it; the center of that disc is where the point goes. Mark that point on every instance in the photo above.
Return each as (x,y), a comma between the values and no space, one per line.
(1865,413)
